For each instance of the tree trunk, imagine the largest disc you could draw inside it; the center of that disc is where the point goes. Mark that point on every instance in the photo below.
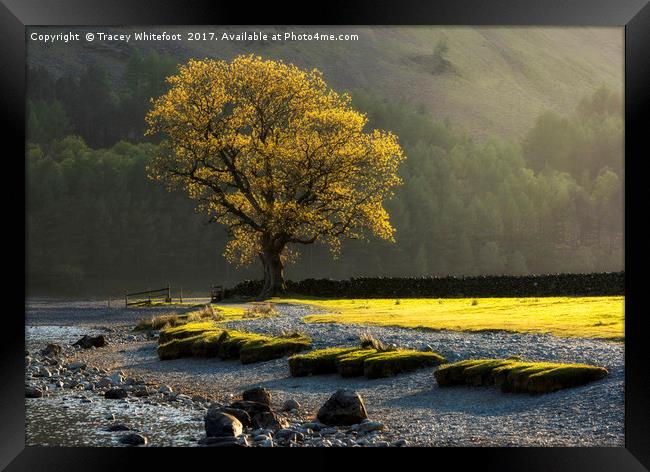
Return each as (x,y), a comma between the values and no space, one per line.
(273,273)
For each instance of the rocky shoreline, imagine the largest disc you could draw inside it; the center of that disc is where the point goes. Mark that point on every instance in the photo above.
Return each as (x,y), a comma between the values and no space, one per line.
(54,371)
(167,402)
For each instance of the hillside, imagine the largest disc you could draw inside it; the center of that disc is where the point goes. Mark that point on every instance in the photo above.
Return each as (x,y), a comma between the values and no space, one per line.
(491,80)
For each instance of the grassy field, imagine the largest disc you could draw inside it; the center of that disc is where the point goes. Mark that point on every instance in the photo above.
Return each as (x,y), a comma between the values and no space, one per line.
(588,317)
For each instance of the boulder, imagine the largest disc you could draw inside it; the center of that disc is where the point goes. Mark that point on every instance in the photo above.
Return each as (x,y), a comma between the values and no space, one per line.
(133,439)
(220,424)
(116,394)
(252,408)
(118,427)
(345,407)
(257,394)
(88,342)
(269,420)
(241,415)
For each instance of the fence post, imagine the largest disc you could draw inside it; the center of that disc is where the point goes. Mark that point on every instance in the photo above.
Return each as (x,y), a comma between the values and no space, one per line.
(169,293)
(181,299)
(126,299)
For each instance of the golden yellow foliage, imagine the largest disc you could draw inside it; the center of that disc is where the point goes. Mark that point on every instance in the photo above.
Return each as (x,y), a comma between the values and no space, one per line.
(268,150)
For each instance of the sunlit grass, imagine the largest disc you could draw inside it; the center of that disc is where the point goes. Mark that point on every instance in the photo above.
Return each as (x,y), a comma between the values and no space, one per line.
(358,361)
(207,339)
(209,312)
(587,317)
(518,376)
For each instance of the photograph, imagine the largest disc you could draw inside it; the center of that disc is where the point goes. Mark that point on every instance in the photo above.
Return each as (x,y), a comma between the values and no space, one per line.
(325,236)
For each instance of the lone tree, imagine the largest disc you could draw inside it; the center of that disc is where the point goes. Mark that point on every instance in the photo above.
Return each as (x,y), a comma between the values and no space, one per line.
(269,151)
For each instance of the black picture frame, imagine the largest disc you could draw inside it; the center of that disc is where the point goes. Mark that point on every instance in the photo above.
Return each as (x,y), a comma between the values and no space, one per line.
(634,15)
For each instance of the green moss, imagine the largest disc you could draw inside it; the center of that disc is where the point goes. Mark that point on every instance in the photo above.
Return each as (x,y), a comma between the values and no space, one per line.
(518,376)
(187,330)
(206,344)
(354,362)
(322,361)
(205,339)
(390,363)
(258,350)
(351,364)
(177,348)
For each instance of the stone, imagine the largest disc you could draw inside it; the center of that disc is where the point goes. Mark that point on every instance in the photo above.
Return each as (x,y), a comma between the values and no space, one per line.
(401,443)
(290,404)
(141,392)
(76,365)
(33,392)
(118,427)
(133,439)
(43,372)
(104,382)
(88,342)
(344,407)
(250,407)
(241,415)
(220,424)
(269,420)
(368,426)
(51,350)
(165,389)
(257,394)
(267,443)
(313,425)
(116,378)
(116,394)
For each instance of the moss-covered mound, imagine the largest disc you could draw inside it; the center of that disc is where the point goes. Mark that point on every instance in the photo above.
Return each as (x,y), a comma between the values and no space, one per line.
(208,340)
(387,364)
(320,362)
(518,376)
(355,362)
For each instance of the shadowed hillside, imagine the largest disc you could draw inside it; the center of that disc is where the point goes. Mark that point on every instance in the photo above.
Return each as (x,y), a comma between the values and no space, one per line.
(491,80)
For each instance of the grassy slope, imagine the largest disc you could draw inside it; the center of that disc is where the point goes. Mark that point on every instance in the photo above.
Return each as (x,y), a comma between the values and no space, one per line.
(592,317)
(501,78)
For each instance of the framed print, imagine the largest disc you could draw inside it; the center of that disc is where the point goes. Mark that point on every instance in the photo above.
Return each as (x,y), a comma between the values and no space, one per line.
(392,226)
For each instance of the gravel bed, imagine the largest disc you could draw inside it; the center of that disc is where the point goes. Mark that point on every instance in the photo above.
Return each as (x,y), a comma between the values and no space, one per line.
(411,405)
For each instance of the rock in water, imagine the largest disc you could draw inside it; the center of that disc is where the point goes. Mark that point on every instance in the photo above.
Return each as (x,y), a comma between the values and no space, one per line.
(88,342)
(345,407)
(257,394)
(220,424)
(33,392)
(116,394)
(133,439)
(51,350)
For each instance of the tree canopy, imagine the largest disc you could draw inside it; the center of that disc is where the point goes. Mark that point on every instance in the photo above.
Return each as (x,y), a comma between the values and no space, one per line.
(274,155)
